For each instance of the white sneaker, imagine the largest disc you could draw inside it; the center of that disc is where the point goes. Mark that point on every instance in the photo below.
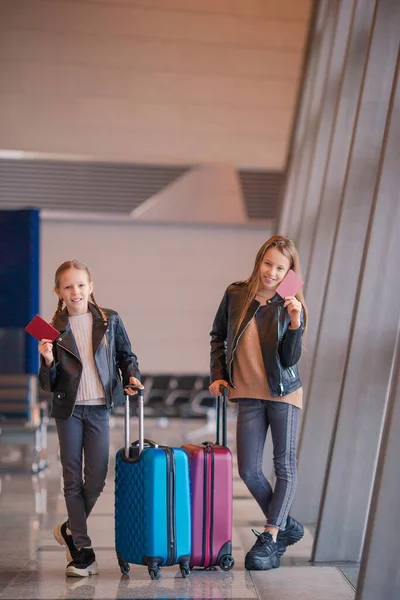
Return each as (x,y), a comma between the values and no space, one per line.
(83,564)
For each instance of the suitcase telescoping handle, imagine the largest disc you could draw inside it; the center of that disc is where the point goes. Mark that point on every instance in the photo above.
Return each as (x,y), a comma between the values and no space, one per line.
(221,408)
(139,396)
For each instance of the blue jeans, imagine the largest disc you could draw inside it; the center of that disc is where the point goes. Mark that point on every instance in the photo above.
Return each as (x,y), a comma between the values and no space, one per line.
(86,432)
(254,419)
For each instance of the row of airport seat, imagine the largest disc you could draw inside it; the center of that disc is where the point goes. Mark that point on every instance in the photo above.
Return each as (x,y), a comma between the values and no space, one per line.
(24,409)
(169,396)
(174,396)
(24,418)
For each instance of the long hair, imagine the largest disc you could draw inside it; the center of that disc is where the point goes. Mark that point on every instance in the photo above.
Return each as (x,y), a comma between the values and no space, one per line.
(288,249)
(72,264)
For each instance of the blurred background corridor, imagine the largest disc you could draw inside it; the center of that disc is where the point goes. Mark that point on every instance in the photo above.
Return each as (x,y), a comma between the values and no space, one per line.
(161,142)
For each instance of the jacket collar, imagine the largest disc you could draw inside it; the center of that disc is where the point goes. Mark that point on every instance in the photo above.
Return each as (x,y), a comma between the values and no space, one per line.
(253,307)
(274,300)
(62,322)
(277,299)
(63,325)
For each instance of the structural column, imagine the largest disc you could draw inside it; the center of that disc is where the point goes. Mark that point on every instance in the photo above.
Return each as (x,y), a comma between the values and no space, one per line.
(301,127)
(362,403)
(324,221)
(325,130)
(379,573)
(375,23)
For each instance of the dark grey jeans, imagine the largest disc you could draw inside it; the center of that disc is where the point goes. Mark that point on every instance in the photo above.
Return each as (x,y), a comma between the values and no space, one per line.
(86,432)
(254,419)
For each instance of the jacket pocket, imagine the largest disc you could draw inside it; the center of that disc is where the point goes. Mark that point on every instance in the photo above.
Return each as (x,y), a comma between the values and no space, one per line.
(58,397)
(290,377)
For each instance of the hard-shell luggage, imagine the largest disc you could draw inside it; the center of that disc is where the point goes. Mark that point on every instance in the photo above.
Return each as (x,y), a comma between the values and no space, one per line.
(152,503)
(212,498)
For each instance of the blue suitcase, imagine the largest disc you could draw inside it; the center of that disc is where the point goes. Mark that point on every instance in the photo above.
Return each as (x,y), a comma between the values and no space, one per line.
(152,503)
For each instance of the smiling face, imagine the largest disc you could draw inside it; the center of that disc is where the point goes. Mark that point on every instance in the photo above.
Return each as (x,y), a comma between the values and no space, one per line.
(273,269)
(75,288)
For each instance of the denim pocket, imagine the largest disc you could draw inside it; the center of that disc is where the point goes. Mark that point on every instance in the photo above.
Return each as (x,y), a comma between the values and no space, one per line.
(100,412)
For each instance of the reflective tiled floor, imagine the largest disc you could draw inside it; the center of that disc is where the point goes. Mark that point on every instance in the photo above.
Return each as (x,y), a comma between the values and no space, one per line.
(32,564)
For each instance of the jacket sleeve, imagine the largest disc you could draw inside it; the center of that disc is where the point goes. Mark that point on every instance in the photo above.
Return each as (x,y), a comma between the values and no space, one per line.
(48,375)
(218,367)
(291,346)
(126,360)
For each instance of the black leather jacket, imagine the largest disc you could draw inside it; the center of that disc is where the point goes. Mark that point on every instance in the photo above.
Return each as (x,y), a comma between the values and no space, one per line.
(112,359)
(280,346)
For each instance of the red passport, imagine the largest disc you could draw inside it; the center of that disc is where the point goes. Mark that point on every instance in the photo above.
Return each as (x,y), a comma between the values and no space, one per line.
(290,285)
(41,329)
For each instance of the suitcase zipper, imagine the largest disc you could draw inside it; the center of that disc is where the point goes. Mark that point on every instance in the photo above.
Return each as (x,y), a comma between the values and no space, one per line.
(203,557)
(171,508)
(208,505)
(212,506)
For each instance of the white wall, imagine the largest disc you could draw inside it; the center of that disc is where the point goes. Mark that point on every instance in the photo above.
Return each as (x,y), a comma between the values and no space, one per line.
(166,281)
(159,81)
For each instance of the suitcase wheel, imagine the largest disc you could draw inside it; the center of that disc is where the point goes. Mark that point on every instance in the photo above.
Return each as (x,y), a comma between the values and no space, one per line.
(123,565)
(226,562)
(185,570)
(125,568)
(155,572)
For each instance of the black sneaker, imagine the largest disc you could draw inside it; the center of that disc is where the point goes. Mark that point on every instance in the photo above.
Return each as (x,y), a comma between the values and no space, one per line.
(293,532)
(83,564)
(61,536)
(263,556)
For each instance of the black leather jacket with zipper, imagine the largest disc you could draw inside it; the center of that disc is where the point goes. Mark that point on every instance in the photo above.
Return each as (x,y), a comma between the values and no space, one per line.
(280,346)
(113,357)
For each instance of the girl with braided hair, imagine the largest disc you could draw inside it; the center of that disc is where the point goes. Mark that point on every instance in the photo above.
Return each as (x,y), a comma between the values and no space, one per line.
(87,368)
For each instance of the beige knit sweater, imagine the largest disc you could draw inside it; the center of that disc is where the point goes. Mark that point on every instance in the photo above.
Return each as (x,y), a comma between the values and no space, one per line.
(249,375)
(90,390)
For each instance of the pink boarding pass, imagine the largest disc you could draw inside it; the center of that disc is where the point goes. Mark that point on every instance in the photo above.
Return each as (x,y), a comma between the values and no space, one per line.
(290,285)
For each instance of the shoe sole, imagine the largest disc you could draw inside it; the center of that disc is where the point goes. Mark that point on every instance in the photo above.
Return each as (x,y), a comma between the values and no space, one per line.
(294,536)
(75,572)
(60,540)
(264,565)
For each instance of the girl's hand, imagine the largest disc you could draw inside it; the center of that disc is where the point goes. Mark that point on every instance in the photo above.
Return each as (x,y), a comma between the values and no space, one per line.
(135,382)
(215,387)
(46,350)
(294,309)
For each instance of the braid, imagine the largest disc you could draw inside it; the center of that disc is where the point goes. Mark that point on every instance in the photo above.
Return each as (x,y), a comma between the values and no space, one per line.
(58,310)
(101,311)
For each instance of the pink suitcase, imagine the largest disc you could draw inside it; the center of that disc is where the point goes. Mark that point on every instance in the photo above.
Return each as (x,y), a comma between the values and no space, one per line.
(211,490)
